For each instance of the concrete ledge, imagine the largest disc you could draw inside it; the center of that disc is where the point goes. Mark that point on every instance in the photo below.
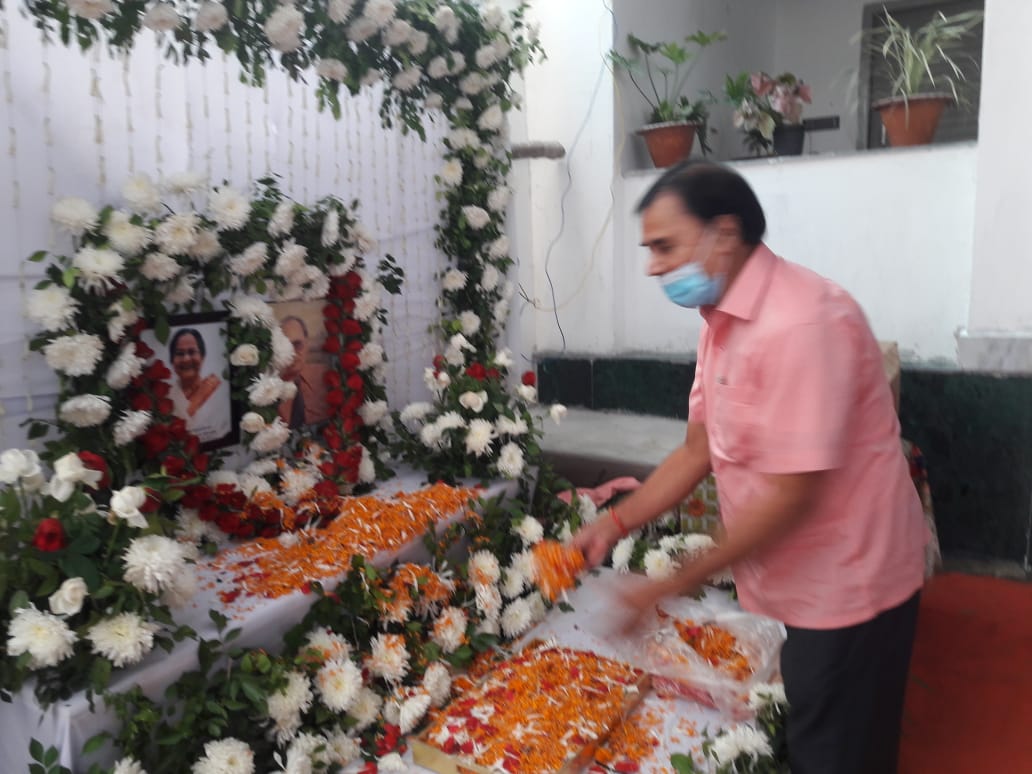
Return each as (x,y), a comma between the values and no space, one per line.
(998,352)
(590,447)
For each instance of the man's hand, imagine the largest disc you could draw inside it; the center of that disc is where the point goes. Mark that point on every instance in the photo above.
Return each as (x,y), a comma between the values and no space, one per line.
(594,540)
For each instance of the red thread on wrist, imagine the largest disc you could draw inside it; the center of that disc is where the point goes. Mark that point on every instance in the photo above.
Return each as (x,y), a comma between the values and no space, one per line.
(619,524)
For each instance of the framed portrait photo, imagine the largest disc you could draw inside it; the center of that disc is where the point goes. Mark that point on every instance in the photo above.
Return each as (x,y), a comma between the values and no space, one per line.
(195,353)
(302,323)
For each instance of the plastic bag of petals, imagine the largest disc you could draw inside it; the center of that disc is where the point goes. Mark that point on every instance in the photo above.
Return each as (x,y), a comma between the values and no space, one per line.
(710,656)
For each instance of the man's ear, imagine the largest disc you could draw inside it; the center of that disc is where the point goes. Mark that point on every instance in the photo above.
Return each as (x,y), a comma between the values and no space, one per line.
(729,231)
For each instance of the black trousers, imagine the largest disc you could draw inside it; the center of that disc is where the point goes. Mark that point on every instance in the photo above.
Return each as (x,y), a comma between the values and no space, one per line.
(845,693)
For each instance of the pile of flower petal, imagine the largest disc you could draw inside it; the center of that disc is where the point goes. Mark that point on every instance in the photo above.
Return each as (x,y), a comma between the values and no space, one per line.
(556,567)
(535,711)
(716,645)
(633,741)
(364,526)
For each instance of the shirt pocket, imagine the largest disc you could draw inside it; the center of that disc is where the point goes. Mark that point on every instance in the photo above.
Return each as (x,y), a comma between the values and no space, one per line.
(732,428)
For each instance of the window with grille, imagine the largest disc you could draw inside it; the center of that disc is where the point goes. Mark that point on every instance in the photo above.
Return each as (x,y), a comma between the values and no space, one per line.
(958,123)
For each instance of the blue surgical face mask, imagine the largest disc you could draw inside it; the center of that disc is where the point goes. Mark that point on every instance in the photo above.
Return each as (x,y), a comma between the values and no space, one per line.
(690,286)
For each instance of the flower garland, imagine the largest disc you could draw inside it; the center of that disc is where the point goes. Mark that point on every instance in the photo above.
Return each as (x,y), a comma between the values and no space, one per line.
(132,266)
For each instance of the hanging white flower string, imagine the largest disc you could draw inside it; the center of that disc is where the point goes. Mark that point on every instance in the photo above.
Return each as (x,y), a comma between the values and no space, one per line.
(210,150)
(229,141)
(159,156)
(190,144)
(306,147)
(291,182)
(248,96)
(267,124)
(98,122)
(129,131)
(12,152)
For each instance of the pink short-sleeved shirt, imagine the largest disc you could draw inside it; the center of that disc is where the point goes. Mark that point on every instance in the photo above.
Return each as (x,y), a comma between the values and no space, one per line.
(790,380)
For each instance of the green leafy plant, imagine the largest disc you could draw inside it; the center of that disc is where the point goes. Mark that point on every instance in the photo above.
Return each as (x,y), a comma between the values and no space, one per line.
(922,59)
(660,71)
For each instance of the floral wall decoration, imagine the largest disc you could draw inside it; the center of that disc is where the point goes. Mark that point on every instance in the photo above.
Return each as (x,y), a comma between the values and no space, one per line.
(455,57)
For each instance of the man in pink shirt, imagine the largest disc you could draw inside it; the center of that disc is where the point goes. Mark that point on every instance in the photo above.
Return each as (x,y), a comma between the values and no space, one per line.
(791,411)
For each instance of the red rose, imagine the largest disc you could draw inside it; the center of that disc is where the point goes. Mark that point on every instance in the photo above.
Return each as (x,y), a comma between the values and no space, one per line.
(349,361)
(208,512)
(354,345)
(191,445)
(335,397)
(143,351)
(351,327)
(332,327)
(326,489)
(155,440)
(353,280)
(141,402)
(331,378)
(97,463)
(165,406)
(355,383)
(438,362)
(331,312)
(152,502)
(477,371)
(328,469)
(354,403)
(529,378)
(200,462)
(157,370)
(196,496)
(173,465)
(49,536)
(493,373)
(353,424)
(161,389)
(177,428)
(333,440)
(348,307)
(331,345)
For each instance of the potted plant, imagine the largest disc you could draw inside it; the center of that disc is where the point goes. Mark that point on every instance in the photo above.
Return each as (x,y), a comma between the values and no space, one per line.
(922,71)
(769,111)
(659,71)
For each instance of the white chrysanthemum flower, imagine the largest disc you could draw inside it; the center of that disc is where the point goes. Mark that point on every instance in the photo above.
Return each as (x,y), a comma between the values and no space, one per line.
(90,9)
(372,412)
(449,629)
(295,482)
(244,355)
(479,437)
(74,215)
(469,322)
(45,637)
(514,583)
(339,682)
(230,208)
(489,281)
(152,562)
(359,31)
(99,268)
(333,70)
(527,393)
(501,312)
(121,318)
(284,707)
(265,390)
(225,756)
(339,10)
(211,17)
(52,308)
(75,355)
(486,56)
(418,42)
(370,356)
(389,658)
(489,600)
(331,226)
(413,709)
(126,503)
(484,569)
(125,368)
(392,762)
(253,310)
(68,599)
(185,183)
(437,68)
(183,586)
(124,235)
(284,28)
(282,221)
(658,564)
(130,426)
(342,748)
(219,478)
(499,248)
(447,22)
(433,101)
(161,17)
(414,414)
(767,693)
(141,194)
(491,119)
(122,639)
(159,267)
(694,544)
(206,246)
(474,401)
(330,645)
(557,412)
(398,33)
(381,12)
(437,683)
(473,83)
(183,291)
(454,280)
(458,65)
(407,79)
(128,766)
(530,530)
(498,199)
(741,739)
(516,618)
(177,233)
(366,708)
(249,261)
(565,534)
(366,467)
(451,173)
(271,437)
(513,427)
(85,410)
(367,304)
(192,530)
(282,349)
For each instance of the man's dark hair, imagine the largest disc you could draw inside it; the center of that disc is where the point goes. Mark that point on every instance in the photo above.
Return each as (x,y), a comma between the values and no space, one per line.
(709,190)
(184,332)
(298,320)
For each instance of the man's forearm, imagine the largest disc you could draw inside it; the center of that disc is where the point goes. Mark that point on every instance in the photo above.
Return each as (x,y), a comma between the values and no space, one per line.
(670,483)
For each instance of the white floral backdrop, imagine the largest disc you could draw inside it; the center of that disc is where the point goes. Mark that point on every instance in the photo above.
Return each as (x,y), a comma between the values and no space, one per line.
(79,124)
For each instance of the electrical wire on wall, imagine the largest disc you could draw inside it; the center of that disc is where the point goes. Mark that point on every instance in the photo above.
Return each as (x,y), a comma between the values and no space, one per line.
(555,307)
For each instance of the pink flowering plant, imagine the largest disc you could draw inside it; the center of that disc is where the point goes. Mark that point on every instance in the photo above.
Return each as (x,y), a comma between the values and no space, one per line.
(763,103)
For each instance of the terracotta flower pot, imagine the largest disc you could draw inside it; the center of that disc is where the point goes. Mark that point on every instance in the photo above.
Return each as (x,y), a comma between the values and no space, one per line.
(668,142)
(914,121)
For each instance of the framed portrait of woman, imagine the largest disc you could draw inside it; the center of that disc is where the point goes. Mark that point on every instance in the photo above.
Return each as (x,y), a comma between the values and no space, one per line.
(195,353)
